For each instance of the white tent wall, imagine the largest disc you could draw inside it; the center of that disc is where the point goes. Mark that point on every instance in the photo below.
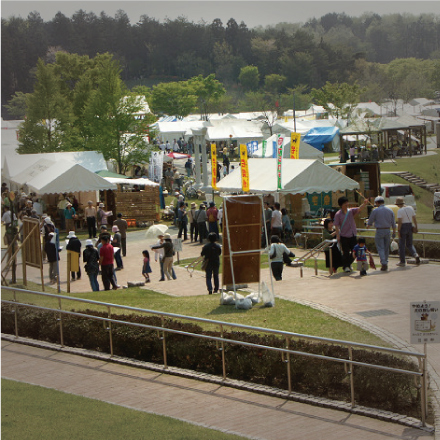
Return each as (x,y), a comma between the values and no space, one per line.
(299,176)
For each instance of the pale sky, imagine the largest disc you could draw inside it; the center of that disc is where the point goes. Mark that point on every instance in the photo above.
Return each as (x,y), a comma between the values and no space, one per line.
(252,12)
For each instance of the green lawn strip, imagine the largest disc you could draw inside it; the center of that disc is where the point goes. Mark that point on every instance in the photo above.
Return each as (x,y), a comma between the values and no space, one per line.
(33,412)
(286,315)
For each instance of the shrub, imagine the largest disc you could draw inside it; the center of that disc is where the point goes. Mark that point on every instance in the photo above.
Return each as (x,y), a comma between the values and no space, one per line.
(374,388)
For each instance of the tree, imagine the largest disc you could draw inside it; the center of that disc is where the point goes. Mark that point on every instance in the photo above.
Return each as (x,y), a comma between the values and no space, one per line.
(249,77)
(17,105)
(275,83)
(82,104)
(338,99)
(174,98)
(208,91)
(110,117)
(48,114)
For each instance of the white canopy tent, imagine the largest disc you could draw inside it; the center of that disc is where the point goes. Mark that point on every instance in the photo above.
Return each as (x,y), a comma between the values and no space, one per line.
(306,151)
(66,177)
(298,176)
(17,163)
(131,182)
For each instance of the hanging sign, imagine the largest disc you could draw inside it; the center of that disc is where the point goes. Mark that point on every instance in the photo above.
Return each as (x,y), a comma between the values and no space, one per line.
(244,168)
(294,145)
(279,160)
(214,165)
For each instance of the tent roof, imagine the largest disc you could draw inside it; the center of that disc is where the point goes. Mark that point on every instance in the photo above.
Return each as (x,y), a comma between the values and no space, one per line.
(90,160)
(107,173)
(306,151)
(222,129)
(40,166)
(298,176)
(141,181)
(64,176)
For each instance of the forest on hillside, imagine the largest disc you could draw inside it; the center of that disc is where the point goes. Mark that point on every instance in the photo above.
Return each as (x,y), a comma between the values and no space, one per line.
(390,55)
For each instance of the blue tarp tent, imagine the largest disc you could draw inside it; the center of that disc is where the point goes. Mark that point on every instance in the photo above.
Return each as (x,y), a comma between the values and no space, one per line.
(319,136)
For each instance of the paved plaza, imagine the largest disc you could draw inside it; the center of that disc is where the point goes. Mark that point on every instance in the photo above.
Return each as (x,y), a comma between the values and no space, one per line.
(379,302)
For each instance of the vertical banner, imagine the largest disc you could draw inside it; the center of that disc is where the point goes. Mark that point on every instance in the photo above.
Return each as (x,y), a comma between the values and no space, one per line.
(294,145)
(252,146)
(263,154)
(244,168)
(156,166)
(274,149)
(214,165)
(279,161)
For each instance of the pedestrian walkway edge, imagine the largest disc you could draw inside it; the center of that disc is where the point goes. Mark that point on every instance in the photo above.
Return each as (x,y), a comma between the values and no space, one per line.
(386,416)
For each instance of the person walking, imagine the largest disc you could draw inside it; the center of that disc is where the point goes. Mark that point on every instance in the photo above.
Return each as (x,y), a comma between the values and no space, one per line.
(106,255)
(212,215)
(182,221)
(159,253)
(51,252)
(74,246)
(192,222)
(123,226)
(201,222)
(406,226)
(116,243)
(346,230)
(212,251)
(90,213)
(91,258)
(360,253)
(146,268)
(276,221)
(168,248)
(70,216)
(276,255)
(383,219)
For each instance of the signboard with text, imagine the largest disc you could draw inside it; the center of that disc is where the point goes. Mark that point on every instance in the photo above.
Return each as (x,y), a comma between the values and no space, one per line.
(214,165)
(294,145)
(279,160)
(244,168)
(425,322)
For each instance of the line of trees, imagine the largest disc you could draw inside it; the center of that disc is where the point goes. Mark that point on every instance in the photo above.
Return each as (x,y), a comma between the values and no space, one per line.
(334,48)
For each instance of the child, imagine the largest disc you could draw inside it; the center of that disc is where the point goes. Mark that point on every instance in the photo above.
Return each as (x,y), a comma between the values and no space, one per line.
(146,269)
(360,252)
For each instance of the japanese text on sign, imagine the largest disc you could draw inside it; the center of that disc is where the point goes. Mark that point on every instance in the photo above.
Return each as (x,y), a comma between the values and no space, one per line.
(294,145)
(214,165)
(244,168)
(425,322)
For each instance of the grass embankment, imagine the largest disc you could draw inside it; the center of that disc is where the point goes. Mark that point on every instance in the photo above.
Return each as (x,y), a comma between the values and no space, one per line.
(285,316)
(31,412)
(426,167)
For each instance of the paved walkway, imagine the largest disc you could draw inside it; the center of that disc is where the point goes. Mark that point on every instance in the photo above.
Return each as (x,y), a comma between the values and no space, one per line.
(378,302)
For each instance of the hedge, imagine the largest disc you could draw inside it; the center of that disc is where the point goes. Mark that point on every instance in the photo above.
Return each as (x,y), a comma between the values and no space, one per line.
(373,388)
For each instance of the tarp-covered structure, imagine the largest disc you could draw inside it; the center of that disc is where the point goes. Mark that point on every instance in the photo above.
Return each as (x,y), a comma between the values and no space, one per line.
(298,176)
(65,177)
(306,151)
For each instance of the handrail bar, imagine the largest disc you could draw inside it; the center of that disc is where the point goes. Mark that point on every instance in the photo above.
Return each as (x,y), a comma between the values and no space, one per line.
(218,339)
(207,321)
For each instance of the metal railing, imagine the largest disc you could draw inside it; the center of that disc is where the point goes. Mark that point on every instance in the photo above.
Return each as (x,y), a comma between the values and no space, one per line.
(420,376)
(317,230)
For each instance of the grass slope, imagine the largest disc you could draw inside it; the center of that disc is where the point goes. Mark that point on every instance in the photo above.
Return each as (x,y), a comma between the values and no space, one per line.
(31,412)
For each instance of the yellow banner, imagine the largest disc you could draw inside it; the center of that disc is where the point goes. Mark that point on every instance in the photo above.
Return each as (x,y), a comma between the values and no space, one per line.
(244,168)
(214,165)
(294,145)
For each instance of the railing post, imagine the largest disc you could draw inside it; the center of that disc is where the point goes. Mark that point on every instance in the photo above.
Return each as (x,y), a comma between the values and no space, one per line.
(223,353)
(289,373)
(164,345)
(109,328)
(350,372)
(61,324)
(15,315)
(316,266)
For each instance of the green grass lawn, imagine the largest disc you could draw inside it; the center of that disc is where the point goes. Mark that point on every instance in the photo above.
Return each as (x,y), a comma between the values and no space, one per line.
(428,168)
(286,315)
(31,412)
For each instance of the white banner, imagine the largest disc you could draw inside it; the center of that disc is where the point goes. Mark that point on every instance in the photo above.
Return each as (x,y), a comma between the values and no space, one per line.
(156,166)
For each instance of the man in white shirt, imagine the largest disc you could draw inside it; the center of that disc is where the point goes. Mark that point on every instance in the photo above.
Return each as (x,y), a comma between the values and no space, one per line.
(276,222)
(405,219)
